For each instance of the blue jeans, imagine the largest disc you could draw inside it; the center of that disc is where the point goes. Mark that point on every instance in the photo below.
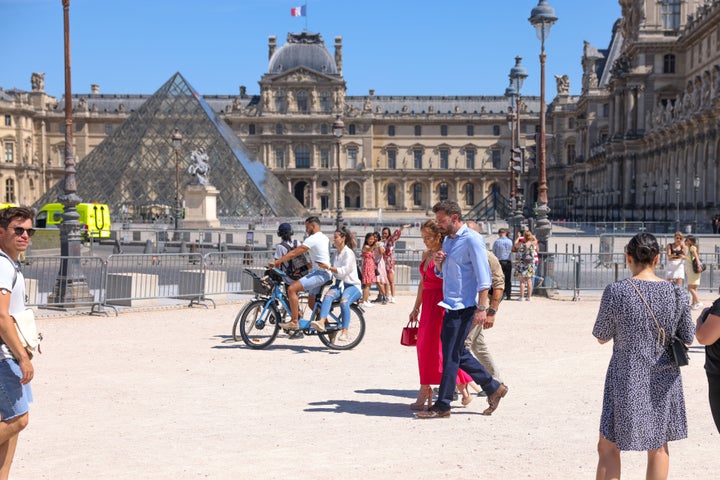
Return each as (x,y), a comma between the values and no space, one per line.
(349,295)
(455,328)
(314,280)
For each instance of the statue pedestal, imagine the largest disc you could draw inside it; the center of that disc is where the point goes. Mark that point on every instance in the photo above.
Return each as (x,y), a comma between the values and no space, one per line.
(201,207)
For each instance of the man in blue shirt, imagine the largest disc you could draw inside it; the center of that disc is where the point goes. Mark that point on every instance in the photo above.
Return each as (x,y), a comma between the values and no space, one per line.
(502,248)
(463,265)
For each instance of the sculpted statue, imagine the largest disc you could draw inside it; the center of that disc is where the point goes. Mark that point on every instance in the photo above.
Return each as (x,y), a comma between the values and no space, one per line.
(200,166)
(563,84)
(37,80)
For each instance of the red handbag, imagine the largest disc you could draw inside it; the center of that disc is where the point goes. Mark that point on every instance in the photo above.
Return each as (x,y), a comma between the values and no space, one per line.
(409,334)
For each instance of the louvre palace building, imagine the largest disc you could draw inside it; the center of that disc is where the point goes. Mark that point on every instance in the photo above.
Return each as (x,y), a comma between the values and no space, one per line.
(639,143)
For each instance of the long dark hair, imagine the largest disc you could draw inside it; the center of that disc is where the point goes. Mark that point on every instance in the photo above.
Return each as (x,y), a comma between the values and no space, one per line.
(348,236)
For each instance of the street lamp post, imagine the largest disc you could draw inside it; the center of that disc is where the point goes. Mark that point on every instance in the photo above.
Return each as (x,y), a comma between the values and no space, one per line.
(696,186)
(542,17)
(677,204)
(666,187)
(653,189)
(338,128)
(645,190)
(71,288)
(517,76)
(177,139)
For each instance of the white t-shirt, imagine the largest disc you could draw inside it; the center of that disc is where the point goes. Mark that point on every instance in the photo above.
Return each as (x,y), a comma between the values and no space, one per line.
(8,270)
(319,245)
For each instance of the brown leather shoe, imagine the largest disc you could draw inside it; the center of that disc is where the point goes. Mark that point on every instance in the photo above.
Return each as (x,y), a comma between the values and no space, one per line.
(494,399)
(432,413)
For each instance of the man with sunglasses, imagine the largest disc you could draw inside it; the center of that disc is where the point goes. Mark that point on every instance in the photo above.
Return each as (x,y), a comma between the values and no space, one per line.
(16,370)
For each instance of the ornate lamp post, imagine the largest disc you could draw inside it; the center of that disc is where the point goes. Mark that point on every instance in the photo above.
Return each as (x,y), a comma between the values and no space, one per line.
(696,186)
(666,187)
(645,190)
(517,76)
(677,204)
(71,288)
(653,189)
(177,143)
(338,129)
(542,17)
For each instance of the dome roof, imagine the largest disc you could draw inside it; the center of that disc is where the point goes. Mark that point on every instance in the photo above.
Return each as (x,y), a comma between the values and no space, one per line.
(303,50)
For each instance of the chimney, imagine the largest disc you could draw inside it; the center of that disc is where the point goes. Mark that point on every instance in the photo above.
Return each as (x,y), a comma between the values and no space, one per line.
(272,44)
(95,89)
(338,54)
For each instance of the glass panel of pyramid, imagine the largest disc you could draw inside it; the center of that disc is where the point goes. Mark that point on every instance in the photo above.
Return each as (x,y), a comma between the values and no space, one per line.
(135,166)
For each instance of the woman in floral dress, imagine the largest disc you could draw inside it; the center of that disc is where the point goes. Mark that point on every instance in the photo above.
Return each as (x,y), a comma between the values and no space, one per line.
(643,403)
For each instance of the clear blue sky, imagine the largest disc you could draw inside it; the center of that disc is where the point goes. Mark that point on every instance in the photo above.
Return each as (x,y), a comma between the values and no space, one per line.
(396,47)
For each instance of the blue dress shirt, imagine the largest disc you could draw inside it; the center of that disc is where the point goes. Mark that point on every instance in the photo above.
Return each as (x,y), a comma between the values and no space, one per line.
(465,270)
(502,248)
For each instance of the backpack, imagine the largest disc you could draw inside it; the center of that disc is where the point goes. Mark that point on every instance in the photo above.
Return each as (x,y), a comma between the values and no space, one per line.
(297,267)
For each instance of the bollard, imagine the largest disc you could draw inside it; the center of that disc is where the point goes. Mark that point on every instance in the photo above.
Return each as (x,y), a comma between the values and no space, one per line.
(183,247)
(149,247)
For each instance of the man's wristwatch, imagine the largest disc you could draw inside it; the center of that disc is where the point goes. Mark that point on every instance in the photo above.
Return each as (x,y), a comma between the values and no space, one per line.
(491,311)
(482,308)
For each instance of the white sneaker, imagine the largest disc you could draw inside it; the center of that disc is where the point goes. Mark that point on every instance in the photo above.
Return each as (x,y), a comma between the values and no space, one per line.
(367,304)
(697,306)
(392,299)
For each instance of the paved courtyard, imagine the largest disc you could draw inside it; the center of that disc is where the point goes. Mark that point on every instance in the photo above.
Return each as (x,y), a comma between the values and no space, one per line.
(167,394)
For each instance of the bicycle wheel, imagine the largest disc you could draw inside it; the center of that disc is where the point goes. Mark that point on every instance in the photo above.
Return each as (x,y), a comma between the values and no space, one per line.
(258,325)
(332,337)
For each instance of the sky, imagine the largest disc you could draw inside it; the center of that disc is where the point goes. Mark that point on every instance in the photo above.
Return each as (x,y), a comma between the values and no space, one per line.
(395,47)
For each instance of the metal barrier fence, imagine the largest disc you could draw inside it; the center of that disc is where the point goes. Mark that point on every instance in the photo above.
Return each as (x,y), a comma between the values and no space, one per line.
(146,279)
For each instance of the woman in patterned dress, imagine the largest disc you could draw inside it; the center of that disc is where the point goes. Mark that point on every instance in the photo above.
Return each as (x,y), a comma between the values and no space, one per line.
(368,268)
(389,255)
(526,247)
(643,403)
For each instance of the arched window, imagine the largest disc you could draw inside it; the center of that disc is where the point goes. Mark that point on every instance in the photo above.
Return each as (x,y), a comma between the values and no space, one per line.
(302,156)
(10,190)
(469,194)
(417,194)
(443,191)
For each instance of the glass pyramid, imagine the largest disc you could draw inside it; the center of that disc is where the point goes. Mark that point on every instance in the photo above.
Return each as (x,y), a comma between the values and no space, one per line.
(134,167)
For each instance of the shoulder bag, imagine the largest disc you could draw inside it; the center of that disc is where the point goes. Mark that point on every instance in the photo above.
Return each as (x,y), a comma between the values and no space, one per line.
(27,331)
(697,265)
(678,349)
(409,334)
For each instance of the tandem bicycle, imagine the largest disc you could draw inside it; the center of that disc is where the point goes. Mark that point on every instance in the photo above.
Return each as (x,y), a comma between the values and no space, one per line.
(258,322)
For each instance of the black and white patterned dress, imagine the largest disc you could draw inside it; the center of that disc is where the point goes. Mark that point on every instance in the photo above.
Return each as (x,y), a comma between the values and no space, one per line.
(643,403)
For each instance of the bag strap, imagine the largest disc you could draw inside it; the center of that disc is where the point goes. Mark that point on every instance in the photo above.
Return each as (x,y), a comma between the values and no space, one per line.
(15,268)
(661,331)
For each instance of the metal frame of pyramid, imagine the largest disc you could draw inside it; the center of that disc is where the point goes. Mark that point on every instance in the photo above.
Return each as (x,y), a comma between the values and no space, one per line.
(135,166)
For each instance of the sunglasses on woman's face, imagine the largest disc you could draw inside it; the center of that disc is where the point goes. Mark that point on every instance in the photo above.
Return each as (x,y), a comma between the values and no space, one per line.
(20,230)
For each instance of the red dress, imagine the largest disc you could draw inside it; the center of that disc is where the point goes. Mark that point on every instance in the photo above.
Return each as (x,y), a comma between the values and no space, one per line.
(368,268)
(429,346)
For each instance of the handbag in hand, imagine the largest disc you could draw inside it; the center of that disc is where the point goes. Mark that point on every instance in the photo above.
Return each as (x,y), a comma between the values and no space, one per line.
(409,334)
(698,266)
(678,350)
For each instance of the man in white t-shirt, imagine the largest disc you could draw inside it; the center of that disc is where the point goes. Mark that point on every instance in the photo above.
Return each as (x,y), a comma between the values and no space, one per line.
(318,244)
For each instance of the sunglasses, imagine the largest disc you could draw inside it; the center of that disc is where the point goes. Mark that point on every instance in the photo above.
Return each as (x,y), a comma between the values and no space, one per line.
(20,230)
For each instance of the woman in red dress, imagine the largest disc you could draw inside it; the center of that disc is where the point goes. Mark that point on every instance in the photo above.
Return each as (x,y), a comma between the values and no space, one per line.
(429,347)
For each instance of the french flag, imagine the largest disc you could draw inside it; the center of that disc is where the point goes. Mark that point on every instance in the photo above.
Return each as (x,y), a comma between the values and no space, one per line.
(298,11)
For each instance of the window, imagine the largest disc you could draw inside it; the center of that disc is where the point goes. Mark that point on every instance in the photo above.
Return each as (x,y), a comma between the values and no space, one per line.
(443,130)
(443,191)
(302,103)
(302,156)
(9,152)
(496,130)
(10,190)
(417,157)
(279,157)
(8,120)
(325,102)
(571,153)
(392,159)
(391,130)
(323,129)
(391,197)
(324,158)
(571,123)
(496,159)
(469,194)
(669,63)
(324,202)
(417,195)
(251,129)
(671,14)
(444,159)
(280,105)
(418,130)
(278,129)
(108,130)
(351,129)
(352,157)
(470,130)
(606,110)
(470,158)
